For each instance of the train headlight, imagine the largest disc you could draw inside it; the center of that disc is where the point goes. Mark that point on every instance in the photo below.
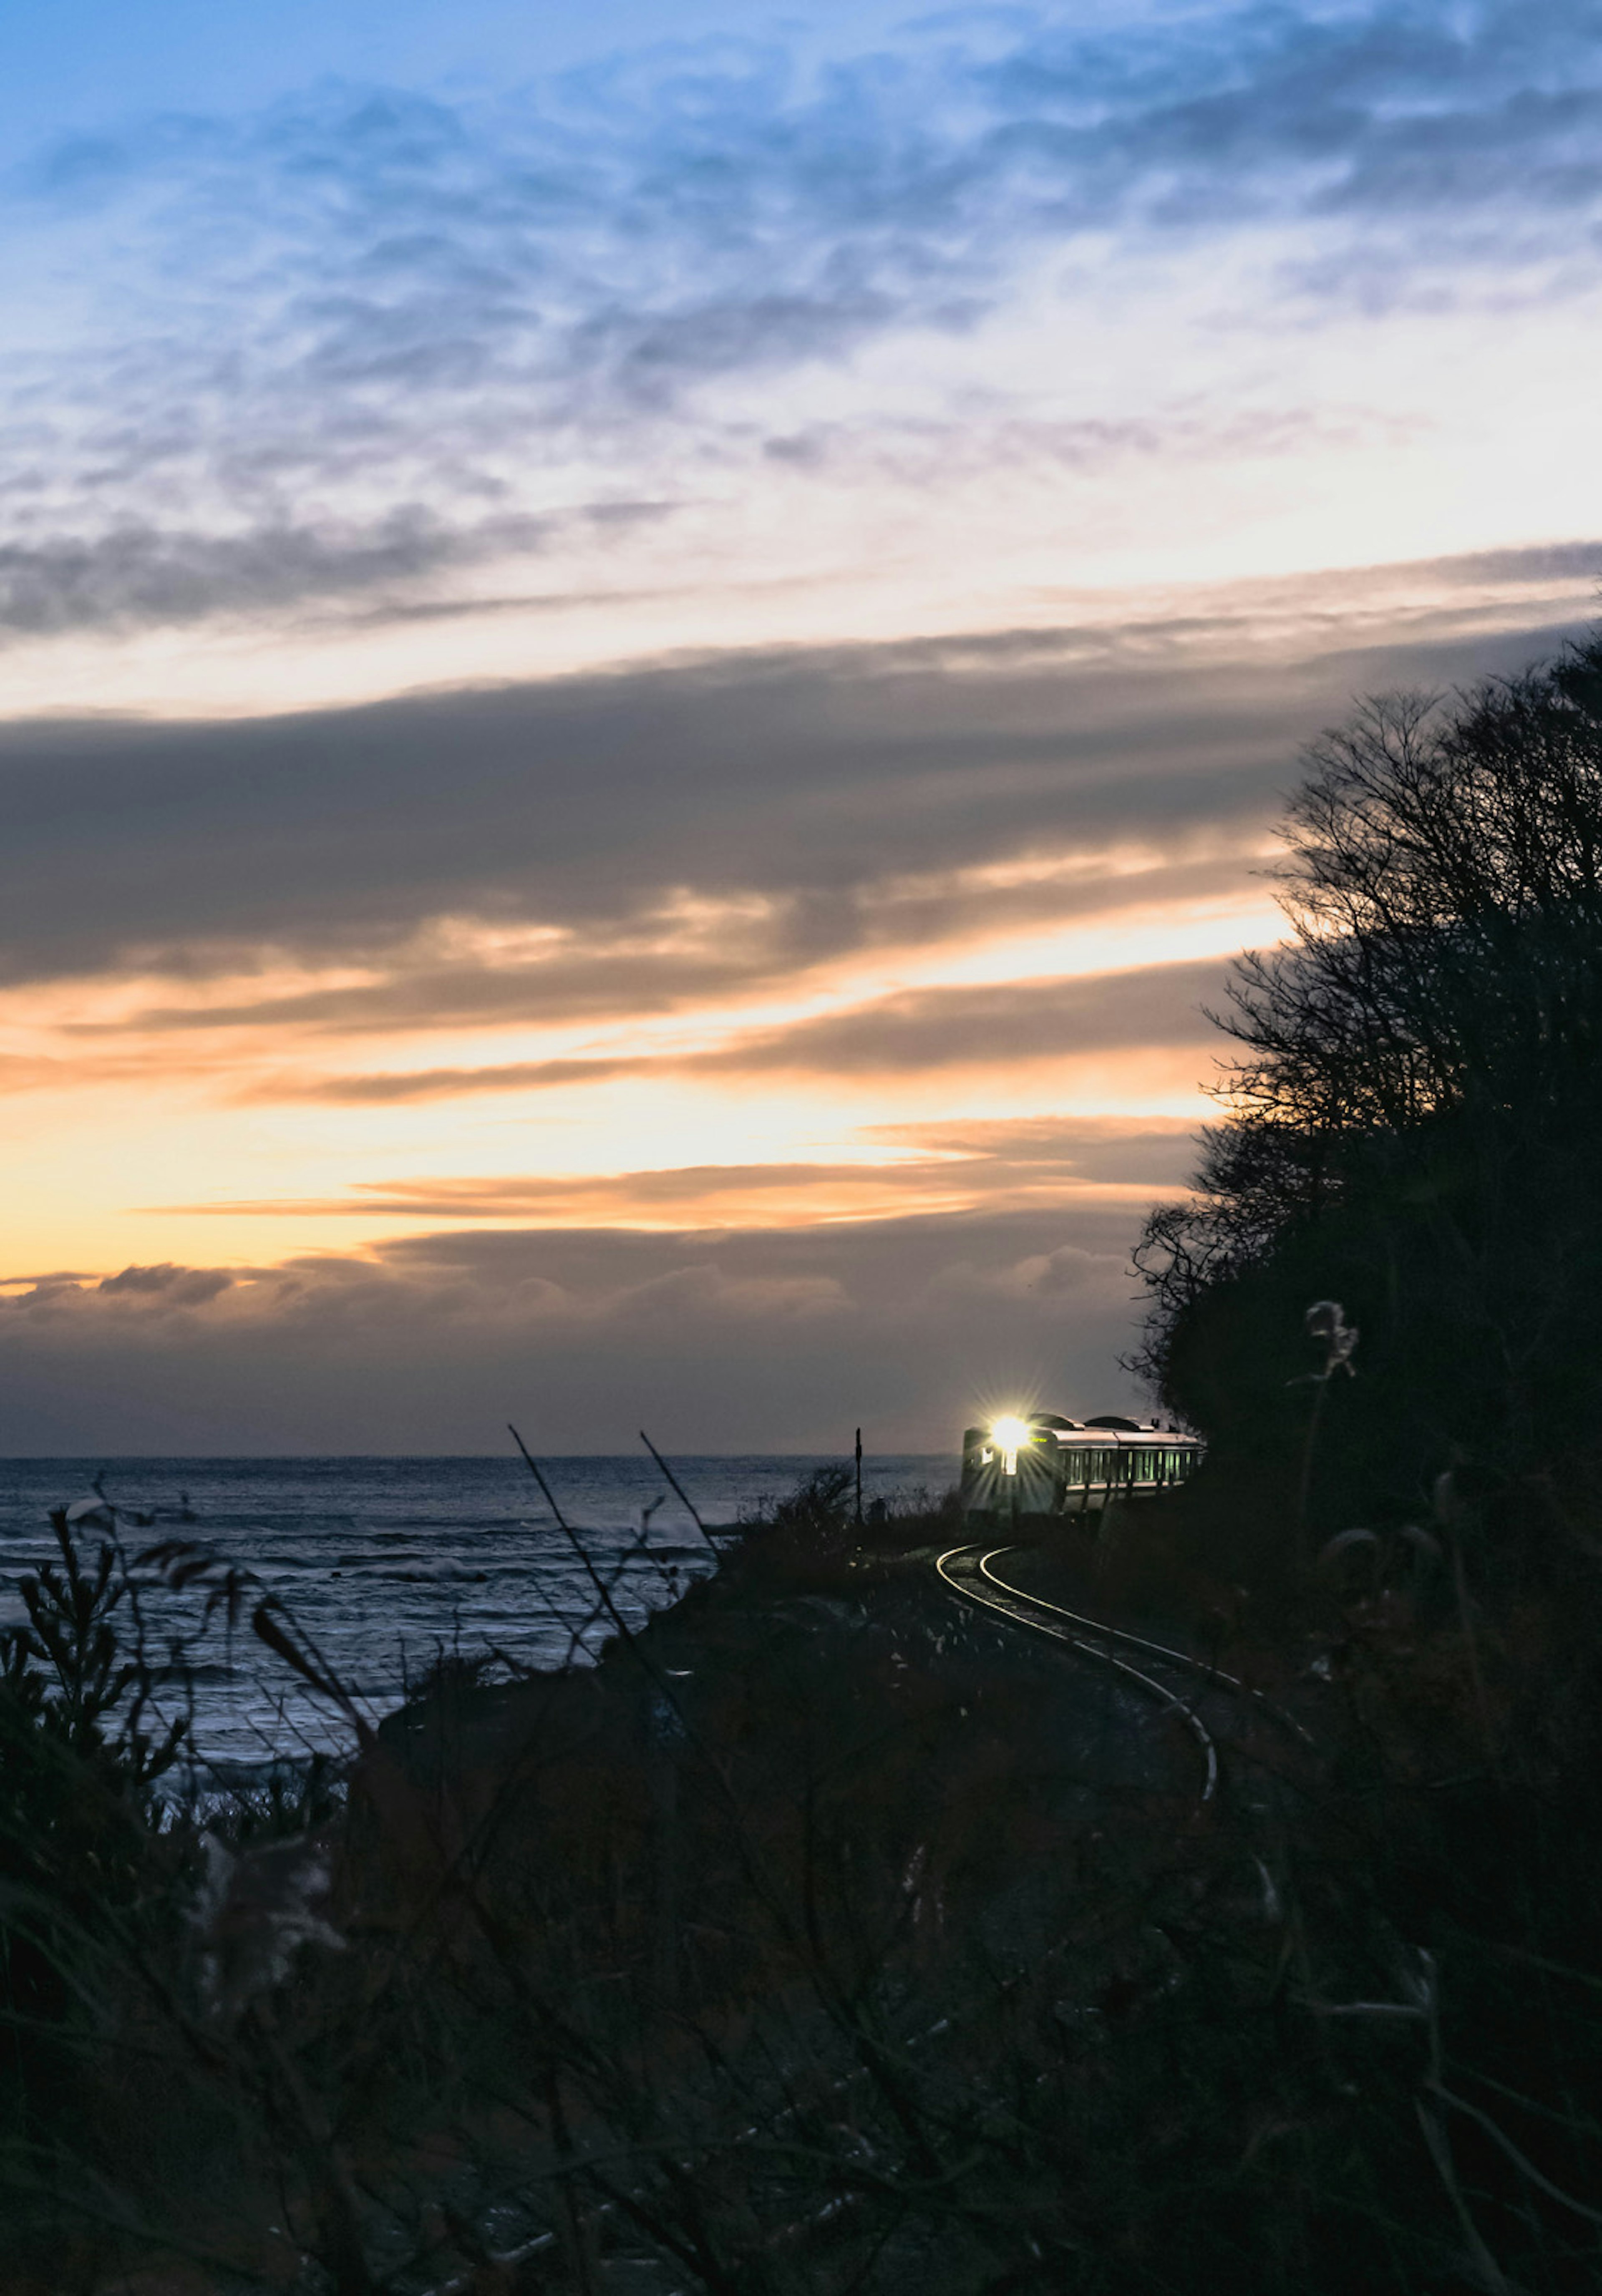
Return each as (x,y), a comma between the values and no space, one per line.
(1010,1436)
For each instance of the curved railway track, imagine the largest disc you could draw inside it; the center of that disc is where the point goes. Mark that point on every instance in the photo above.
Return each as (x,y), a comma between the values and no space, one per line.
(971,1573)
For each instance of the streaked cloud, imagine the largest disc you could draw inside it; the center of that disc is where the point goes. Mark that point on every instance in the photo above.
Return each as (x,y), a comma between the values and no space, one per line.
(929,1028)
(685,822)
(1060,1161)
(1014,1022)
(142,573)
(354,346)
(1158,1153)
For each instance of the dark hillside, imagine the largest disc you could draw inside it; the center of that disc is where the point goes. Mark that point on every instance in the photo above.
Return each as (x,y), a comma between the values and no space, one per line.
(826,1936)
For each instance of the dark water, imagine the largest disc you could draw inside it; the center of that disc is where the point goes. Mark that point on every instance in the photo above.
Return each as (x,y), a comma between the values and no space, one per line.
(382,1562)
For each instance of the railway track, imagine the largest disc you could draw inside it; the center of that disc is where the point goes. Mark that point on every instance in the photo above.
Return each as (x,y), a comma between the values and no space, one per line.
(972,1573)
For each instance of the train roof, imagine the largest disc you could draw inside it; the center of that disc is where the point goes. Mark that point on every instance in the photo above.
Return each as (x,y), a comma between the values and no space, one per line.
(1109,1429)
(1110,1423)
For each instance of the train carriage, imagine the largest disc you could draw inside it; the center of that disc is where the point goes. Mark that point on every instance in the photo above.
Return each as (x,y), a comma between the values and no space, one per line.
(1047,1464)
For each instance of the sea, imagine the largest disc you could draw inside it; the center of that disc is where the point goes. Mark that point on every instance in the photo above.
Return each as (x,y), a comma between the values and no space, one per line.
(383,1566)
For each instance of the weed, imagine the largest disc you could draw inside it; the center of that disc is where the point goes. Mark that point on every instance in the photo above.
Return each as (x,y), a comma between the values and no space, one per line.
(820,1939)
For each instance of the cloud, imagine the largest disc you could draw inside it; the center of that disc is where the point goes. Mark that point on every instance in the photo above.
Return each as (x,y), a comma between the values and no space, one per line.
(1014,1022)
(410,987)
(715,1195)
(679,830)
(779,1339)
(706,1190)
(1006,1025)
(386,1087)
(136,573)
(171,1286)
(456,300)
(1156,1152)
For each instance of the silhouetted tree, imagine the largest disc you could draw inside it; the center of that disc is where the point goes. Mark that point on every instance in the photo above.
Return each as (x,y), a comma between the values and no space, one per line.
(1415,1110)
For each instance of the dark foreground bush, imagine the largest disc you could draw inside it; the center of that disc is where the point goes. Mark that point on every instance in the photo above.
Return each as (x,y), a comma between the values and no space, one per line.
(822,1939)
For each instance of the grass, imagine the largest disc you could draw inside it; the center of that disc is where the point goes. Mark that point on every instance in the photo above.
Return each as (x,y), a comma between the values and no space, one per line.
(821,1937)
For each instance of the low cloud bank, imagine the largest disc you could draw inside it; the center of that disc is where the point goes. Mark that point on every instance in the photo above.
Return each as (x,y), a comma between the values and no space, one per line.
(781,1340)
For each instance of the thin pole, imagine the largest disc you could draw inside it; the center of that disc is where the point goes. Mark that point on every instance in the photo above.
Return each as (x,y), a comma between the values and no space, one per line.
(859,1478)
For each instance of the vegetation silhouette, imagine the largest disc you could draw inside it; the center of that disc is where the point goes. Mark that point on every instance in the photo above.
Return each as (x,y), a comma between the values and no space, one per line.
(1413,1114)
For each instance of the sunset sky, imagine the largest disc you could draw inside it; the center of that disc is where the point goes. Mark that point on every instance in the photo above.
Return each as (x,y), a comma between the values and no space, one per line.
(648,653)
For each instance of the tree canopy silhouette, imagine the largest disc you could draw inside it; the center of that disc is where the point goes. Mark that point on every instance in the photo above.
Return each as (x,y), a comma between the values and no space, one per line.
(1414,1107)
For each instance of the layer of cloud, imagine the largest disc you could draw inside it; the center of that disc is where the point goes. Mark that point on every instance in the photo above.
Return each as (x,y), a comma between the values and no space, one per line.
(776,1340)
(146,573)
(481,310)
(1156,1153)
(680,830)
(1015,1022)
(1010,1024)
(1058,1160)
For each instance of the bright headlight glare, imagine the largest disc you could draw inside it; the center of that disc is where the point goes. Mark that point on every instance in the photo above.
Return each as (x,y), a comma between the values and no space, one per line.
(1011,1434)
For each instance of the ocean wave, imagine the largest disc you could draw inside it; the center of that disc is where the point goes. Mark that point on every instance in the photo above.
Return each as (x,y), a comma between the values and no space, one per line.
(427,1574)
(373,1558)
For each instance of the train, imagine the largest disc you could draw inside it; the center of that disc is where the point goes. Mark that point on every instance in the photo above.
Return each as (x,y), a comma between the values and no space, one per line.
(1047,1464)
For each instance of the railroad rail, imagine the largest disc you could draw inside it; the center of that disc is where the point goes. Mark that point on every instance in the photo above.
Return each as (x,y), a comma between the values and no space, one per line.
(962,1569)
(1214,1676)
(971,1573)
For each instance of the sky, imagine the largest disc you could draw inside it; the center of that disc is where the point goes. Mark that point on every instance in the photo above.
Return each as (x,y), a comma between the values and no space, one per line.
(649,656)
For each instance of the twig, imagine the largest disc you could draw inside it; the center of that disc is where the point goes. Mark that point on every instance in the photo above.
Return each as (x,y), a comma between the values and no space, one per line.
(1525,2168)
(679,1487)
(1491,2276)
(574,1541)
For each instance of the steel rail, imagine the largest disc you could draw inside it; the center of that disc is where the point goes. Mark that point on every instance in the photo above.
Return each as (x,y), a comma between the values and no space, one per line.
(1018,1616)
(1212,1674)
